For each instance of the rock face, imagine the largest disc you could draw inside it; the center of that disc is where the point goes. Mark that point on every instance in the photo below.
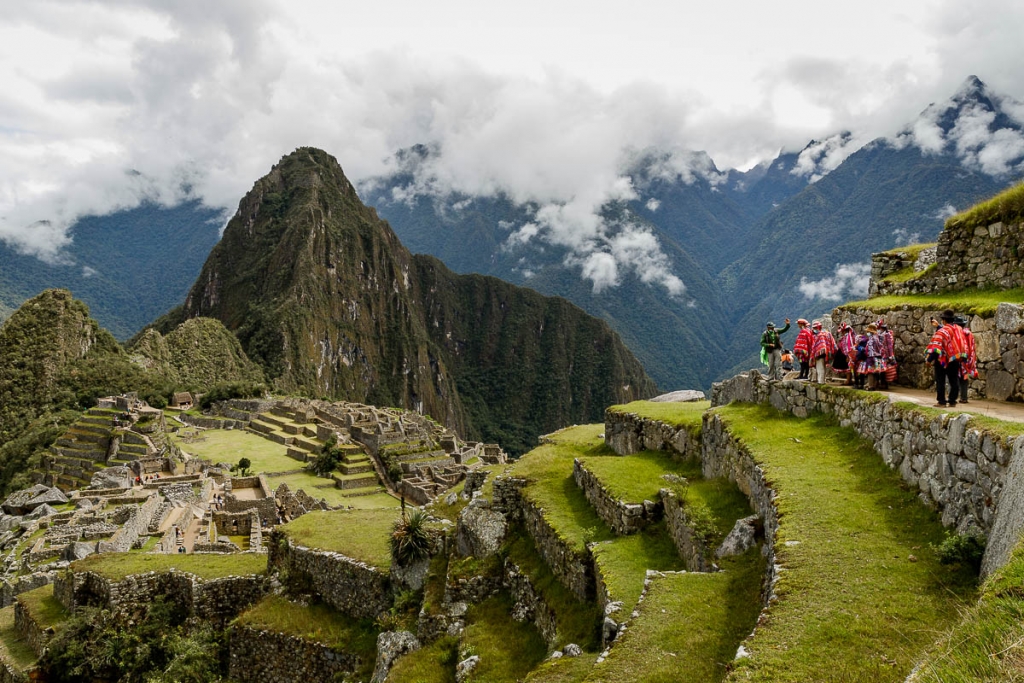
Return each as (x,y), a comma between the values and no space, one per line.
(390,646)
(481,531)
(742,538)
(323,296)
(112,478)
(684,396)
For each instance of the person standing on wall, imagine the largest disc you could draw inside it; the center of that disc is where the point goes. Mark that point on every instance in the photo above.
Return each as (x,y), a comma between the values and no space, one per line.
(802,347)
(822,351)
(946,351)
(771,349)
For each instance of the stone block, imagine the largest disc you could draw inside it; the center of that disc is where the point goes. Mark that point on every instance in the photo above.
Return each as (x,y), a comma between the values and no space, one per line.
(987,345)
(1010,318)
(1000,385)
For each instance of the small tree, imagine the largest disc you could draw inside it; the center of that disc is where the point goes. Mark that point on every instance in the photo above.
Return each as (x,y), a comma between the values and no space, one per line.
(244,465)
(327,458)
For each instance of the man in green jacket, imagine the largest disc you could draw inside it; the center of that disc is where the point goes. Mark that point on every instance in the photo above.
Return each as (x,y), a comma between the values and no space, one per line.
(771,349)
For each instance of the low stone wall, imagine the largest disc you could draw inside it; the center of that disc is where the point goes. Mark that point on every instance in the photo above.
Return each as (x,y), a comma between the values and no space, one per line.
(528,604)
(136,525)
(726,456)
(262,656)
(212,422)
(696,555)
(11,588)
(214,600)
(573,568)
(33,633)
(265,506)
(10,674)
(627,433)
(348,585)
(999,340)
(624,518)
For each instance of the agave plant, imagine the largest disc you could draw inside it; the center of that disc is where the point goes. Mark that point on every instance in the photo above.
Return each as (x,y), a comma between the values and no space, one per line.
(409,538)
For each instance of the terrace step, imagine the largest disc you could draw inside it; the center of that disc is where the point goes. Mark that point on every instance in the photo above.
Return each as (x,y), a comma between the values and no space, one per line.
(354,481)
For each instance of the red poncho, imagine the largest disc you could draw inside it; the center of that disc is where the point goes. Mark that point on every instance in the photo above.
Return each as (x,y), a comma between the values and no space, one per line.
(948,343)
(824,346)
(802,345)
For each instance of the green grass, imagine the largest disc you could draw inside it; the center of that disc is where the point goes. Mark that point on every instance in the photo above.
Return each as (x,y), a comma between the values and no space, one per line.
(44,609)
(1002,428)
(151,542)
(548,469)
(624,561)
(508,649)
(907,274)
(116,566)
(13,646)
(360,534)
(687,415)
(634,478)
(563,670)
(912,251)
(231,445)
(434,663)
(981,302)
(578,622)
(862,592)
(1006,207)
(988,644)
(316,622)
(689,627)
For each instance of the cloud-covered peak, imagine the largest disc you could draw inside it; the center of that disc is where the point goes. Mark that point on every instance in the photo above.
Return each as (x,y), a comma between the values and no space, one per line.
(819,158)
(983,129)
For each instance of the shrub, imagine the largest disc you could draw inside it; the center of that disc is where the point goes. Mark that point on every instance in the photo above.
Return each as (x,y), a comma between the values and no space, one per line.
(703,522)
(327,458)
(227,390)
(410,540)
(966,549)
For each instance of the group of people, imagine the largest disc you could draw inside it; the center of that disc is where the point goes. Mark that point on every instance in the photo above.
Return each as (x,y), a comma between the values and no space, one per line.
(952,353)
(868,361)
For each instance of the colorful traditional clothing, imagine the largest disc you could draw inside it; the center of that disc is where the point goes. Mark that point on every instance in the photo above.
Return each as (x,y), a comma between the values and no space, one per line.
(802,345)
(969,366)
(874,361)
(946,350)
(824,346)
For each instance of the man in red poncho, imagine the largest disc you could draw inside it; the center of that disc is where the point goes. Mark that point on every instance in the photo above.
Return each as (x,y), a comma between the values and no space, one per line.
(946,351)
(822,350)
(802,347)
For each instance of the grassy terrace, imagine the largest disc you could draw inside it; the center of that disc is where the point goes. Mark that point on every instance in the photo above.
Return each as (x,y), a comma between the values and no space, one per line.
(623,562)
(116,566)
(676,414)
(862,593)
(360,534)
(709,615)
(988,645)
(310,483)
(507,649)
(231,445)
(1007,206)
(981,302)
(14,649)
(318,623)
(44,609)
(434,663)
(634,478)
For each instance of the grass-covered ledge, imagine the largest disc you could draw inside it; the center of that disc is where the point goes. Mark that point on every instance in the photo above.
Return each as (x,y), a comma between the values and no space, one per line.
(1005,207)
(983,302)
(117,566)
(861,592)
(676,414)
(362,535)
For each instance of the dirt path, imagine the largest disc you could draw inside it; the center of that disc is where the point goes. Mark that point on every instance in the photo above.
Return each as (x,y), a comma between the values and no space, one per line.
(1012,412)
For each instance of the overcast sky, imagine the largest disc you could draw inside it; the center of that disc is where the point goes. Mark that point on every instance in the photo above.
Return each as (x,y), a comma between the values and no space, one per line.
(103,104)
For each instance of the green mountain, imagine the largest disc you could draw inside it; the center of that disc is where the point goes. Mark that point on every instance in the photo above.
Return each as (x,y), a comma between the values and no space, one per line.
(323,296)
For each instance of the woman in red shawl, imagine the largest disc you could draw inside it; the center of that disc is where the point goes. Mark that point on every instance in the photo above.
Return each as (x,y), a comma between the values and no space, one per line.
(822,351)
(888,353)
(845,362)
(802,347)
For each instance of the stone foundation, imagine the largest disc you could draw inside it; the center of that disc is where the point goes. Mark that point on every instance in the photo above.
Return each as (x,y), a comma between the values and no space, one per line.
(627,433)
(624,518)
(529,605)
(266,656)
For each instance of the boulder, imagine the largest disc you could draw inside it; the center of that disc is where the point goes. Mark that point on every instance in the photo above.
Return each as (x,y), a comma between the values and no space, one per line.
(411,576)
(683,396)
(390,646)
(480,532)
(112,478)
(465,667)
(742,537)
(78,550)
(572,650)
(43,510)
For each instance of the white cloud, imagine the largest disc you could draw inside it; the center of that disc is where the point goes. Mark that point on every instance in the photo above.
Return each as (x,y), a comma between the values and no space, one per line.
(819,159)
(849,281)
(652,204)
(947,211)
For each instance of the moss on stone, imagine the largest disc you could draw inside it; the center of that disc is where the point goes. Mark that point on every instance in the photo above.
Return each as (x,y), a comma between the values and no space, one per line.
(116,566)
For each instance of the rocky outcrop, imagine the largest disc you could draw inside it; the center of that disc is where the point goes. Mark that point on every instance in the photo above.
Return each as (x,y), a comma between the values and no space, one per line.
(481,530)
(390,646)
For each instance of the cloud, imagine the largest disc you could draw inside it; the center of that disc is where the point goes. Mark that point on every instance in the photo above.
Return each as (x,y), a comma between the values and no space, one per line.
(850,280)
(652,204)
(819,159)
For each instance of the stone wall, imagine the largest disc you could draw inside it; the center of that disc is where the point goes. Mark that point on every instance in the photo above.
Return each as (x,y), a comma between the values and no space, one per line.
(957,468)
(35,636)
(999,340)
(348,585)
(136,525)
(266,506)
(212,422)
(627,433)
(573,568)
(696,555)
(11,588)
(528,604)
(266,656)
(214,600)
(10,673)
(624,518)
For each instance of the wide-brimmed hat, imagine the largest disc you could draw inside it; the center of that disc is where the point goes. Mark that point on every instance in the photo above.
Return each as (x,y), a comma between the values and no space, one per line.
(948,316)
(801,321)
(872,327)
(770,324)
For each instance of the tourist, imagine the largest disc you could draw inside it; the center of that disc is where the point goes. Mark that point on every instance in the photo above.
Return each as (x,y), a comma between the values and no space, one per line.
(946,350)
(787,360)
(802,347)
(822,351)
(771,349)
(969,367)
(871,358)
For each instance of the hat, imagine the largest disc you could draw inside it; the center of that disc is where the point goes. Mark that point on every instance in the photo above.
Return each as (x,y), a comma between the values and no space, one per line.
(801,321)
(770,324)
(817,324)
(961,321)
(881,323)
(948,316)
(872,327)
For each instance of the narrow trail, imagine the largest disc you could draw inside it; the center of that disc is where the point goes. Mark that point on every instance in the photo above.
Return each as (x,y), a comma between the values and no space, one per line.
(1002,410)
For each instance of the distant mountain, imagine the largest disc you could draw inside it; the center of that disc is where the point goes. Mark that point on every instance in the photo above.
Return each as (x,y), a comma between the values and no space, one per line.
(129,266)
(324,297)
